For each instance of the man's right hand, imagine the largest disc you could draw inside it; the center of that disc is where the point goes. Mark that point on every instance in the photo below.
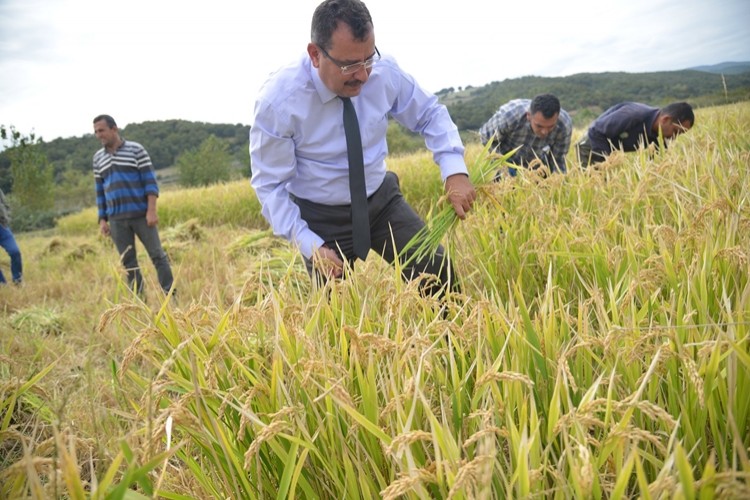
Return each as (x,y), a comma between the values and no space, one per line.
(461,193)
(104,227)
(327,262)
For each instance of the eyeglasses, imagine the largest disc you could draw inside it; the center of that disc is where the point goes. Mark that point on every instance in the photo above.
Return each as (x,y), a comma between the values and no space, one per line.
(348,69)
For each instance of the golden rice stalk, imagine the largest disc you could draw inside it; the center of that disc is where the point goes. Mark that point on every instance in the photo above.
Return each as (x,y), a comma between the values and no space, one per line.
(404,440)
(407,483)
(266,434)
(468,476)
(427,239)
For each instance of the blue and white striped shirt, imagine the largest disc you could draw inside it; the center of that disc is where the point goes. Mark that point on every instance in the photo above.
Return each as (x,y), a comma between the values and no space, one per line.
(124,180)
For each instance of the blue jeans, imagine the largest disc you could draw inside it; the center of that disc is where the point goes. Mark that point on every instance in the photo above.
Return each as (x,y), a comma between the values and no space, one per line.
(123,233)
(8,242)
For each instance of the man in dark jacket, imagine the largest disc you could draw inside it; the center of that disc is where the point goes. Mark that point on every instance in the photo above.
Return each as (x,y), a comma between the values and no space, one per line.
(630,125)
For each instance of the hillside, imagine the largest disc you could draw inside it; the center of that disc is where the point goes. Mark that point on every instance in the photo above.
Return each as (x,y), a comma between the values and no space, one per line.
(725,68)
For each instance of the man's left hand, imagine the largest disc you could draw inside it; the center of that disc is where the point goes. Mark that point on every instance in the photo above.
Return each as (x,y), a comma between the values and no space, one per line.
(461,193)
(151,218)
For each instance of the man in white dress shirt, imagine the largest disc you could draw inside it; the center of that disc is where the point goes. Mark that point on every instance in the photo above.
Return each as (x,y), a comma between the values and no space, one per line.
(298,147)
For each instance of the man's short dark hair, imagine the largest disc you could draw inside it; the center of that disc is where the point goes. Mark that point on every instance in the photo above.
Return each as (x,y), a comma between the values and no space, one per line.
(110,121)
(548,104)
(680,112)
(330,12)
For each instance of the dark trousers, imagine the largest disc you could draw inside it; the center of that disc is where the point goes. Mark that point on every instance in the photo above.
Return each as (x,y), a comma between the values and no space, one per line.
(393,223)
(586,155)
(123,233)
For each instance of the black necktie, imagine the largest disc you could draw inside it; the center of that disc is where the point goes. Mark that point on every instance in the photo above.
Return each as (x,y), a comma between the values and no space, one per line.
(360,218)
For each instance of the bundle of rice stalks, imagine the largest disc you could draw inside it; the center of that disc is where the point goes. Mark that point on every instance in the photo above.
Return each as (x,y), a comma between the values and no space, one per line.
(189,230)
(253,240)
(427,240)
(54,247)
(182,235)
(37,320)
(81,252)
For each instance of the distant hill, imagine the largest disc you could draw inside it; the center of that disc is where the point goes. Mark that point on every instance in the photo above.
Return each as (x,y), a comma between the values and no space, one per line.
(586,95)
(725,68)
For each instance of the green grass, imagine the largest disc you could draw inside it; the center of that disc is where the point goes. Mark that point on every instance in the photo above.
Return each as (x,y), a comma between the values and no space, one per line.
(599,349)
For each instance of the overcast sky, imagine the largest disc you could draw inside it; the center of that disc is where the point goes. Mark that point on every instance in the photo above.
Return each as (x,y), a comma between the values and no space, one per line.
(62,62)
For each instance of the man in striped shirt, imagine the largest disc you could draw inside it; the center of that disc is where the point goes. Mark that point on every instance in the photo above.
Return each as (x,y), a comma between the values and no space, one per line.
(126,194)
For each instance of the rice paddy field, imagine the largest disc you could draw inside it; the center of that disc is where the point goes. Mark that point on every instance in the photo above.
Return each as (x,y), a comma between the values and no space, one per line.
(599,347)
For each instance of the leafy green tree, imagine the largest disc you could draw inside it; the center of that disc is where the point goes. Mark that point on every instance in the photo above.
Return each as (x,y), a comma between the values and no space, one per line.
(74,191)
(32,173)
(209,164)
